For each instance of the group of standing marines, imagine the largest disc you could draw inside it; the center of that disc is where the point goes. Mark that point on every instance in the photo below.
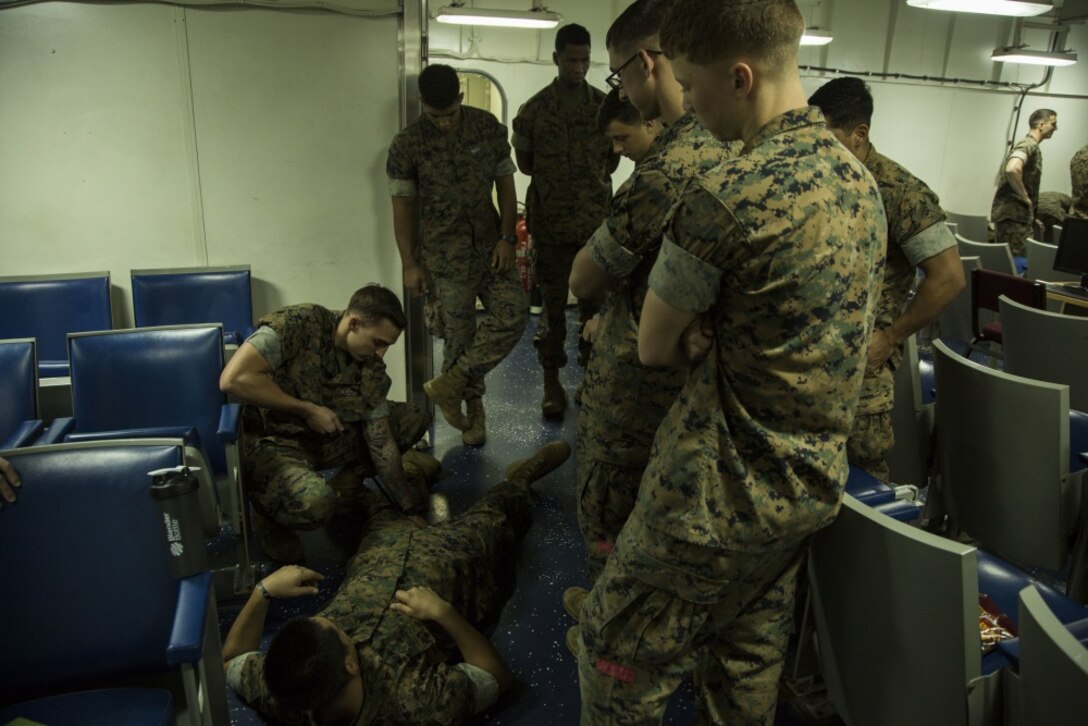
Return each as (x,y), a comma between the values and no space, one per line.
(750,281)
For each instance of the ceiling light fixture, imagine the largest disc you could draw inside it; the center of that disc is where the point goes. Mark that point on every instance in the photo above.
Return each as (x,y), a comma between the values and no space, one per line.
(815,36)
(1011,8)
(1035,57)
(538,18)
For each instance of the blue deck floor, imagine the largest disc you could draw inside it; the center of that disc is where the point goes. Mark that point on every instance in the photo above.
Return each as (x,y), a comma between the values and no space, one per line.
(530,634)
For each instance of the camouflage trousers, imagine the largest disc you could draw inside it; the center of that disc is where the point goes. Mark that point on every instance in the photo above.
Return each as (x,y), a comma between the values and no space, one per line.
(477,347)
(606,496)
(1013,233)
(469,560)
(551,270)
(284,482)
(640,638)
(870,440)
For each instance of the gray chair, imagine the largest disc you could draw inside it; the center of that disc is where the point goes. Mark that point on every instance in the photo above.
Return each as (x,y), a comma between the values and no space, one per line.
(952,227)
(1041,263)
(1053,674)
(896,611)
(971,226)
(1047,346)
(954,321)
(996,257)
(912,422)
(1005,472)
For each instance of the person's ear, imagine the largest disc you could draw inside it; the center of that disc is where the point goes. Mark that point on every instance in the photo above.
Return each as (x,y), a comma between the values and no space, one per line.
(860,134)
(555,58)
(742,78)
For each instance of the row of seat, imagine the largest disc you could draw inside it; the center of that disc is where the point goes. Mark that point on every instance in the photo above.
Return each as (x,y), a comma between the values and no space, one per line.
(158,383)
(48,307)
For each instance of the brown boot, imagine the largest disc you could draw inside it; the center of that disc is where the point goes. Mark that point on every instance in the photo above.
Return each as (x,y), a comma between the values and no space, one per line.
(573,599)
(446,391)
(555,398)
(426,466)
(280,543)
(549,458)
(476,434)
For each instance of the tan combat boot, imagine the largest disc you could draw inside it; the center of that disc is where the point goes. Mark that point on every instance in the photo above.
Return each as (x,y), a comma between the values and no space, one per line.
(425,466)
(549,458)
(446,391)
(280,543)
(476,434)
(555,398)
(573,599)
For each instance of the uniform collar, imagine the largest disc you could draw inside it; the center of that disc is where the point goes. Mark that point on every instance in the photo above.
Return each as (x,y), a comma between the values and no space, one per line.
(793,119)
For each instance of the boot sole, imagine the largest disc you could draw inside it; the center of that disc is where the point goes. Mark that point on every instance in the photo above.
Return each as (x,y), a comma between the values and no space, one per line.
(461,424)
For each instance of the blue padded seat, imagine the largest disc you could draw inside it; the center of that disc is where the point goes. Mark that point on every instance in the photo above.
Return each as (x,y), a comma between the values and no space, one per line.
(19,423)
(872,492)
(48,307)
(195,295)
(99,600)
(101,707)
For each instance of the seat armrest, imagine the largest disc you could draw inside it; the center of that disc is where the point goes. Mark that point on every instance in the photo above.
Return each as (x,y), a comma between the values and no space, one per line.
(229,416)
(24,434)
(186,433)
(57,431)
(187,635)
(1083,456)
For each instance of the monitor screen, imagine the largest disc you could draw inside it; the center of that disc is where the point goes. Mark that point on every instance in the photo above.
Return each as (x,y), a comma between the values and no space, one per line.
(1072,255)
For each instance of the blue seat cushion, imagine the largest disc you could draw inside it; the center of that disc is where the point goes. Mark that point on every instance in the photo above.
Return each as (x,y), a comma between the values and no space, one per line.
(104,707)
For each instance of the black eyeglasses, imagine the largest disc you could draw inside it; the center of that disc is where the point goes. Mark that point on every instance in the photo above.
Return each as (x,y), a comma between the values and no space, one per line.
(613,79)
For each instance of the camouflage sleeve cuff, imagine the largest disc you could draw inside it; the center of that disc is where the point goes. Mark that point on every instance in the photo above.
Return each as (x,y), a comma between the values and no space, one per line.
(930,242)
(521,143)
(485,689)
(235,674)
(267,342)
(1019,154)
(610,255)
(505,168)
(402,188)
(682,280)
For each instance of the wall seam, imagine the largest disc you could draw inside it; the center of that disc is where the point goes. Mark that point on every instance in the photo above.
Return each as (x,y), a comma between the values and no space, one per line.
(196,197)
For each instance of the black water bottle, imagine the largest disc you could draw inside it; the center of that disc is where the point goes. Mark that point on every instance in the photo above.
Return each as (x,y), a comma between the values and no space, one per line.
(177,493)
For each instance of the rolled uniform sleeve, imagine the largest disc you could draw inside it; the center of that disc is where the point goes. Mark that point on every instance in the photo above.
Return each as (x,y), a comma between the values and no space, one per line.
(639,210)
(485,689)
(245,676)
(442,695)
(694,254)
(930,242)
(267,342)
(400,168)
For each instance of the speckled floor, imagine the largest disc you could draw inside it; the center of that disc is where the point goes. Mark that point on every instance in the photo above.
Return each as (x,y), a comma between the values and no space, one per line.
(530,634)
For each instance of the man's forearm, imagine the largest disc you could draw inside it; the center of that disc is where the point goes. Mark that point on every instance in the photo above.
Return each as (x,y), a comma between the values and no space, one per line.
(1015,178)
(476,649)
(404,229)
(508,203)
(406,495)
(245,632)
(261,390)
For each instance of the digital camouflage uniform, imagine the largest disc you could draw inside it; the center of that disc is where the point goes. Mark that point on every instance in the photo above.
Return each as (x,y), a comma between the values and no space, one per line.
(916,232)
(406,663)
(567,198)
(624,401)
(1013,221)
(1078,176)
(282,453)
(783,248)
(1053,206)
(452,175)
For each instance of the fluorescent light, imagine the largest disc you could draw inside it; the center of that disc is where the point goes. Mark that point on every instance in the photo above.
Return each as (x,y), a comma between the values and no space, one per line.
(506,18)
(1035,57)
(1013,8)
(815,36)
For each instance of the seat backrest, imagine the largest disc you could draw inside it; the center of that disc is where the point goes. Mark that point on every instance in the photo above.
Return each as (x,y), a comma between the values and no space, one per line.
(150,377)
(906,460)
(1047,347)
(1053,665)
(48,307)
(954,321)
(194,295)
(897,620)
(1041,263)
(1003,447)
(89,591)
(996,257)
(18,384)
(972,226)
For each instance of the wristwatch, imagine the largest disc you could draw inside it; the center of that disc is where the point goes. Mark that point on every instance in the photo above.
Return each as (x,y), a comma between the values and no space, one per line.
(511,238)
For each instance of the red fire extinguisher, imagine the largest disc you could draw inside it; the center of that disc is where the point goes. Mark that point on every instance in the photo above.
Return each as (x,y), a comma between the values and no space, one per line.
(523,252)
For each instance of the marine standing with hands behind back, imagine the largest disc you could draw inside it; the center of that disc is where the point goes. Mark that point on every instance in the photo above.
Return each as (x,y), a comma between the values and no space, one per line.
(441,171)
(557,143)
